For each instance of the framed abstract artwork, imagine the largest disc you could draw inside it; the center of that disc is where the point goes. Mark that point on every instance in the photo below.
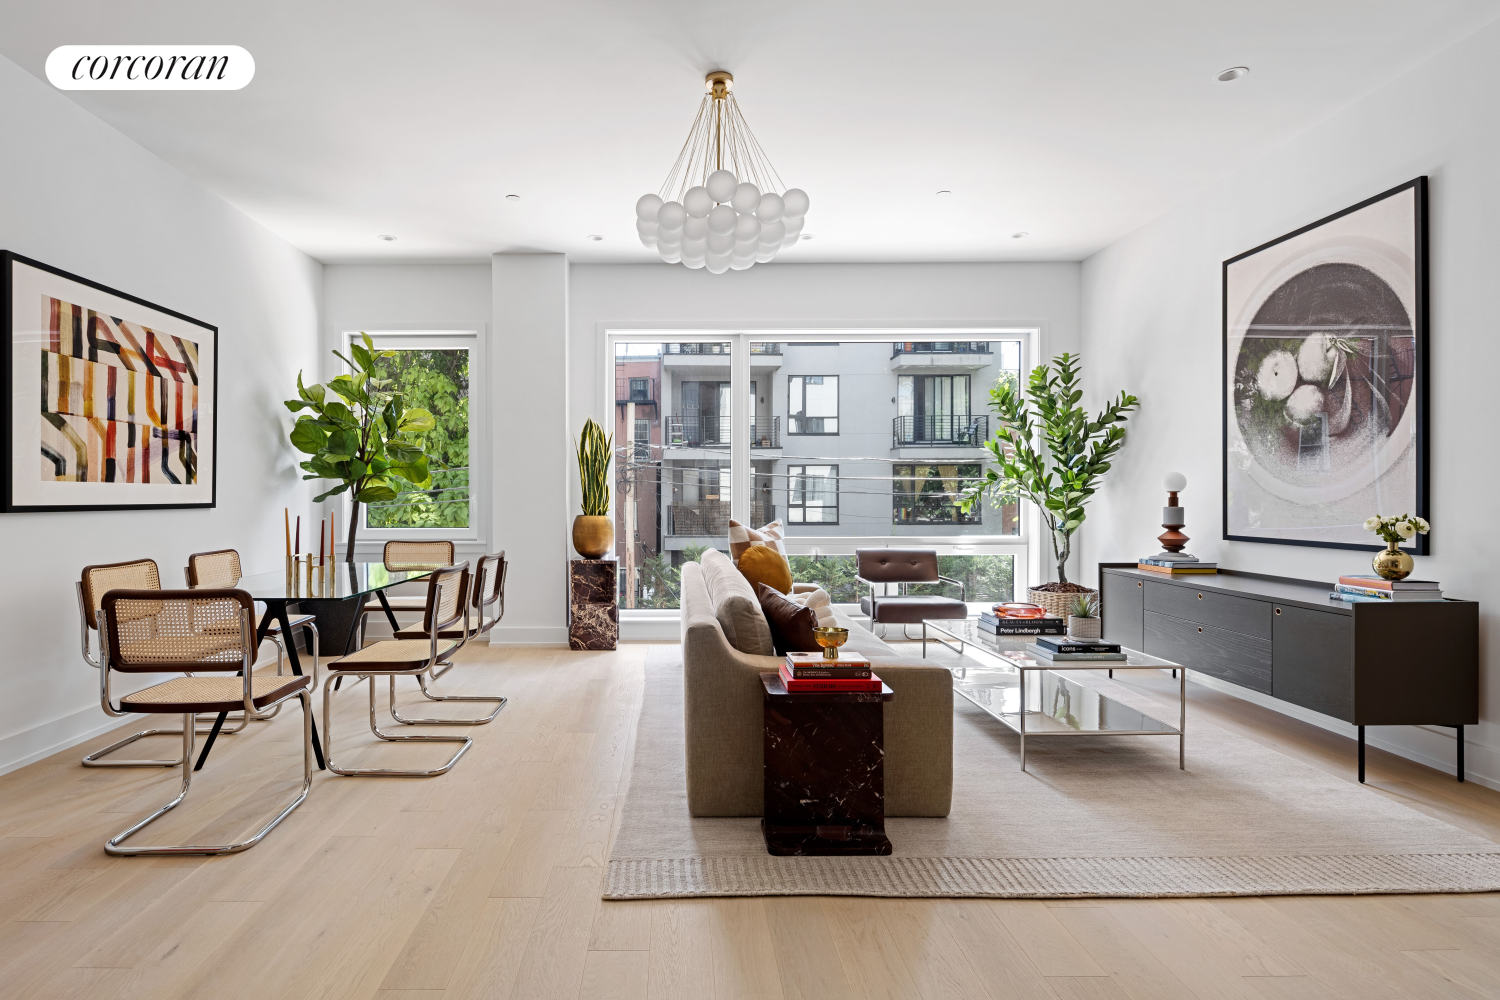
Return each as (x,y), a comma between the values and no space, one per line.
(1325,377)
(111,400)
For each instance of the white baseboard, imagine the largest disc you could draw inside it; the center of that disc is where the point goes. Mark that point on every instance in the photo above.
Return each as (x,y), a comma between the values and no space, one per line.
(52,737)
(523,636)
(1433,747)
(650,629)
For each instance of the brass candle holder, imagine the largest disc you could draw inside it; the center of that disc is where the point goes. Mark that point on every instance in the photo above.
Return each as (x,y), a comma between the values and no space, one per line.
(830,638)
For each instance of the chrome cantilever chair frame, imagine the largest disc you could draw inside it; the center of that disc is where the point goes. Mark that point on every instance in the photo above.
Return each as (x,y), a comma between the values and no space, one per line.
(440,580)
(248,653)
(95,759)
(478,602)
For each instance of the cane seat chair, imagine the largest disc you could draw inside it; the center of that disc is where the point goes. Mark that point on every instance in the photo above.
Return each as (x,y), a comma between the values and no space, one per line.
(406,555)
(446,610)
(486,597)
(194,631)
(221,568)
(94,583)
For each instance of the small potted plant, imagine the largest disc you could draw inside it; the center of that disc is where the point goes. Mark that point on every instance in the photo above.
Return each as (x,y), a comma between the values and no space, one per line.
(1083,617)
(1393,564)
(594,529)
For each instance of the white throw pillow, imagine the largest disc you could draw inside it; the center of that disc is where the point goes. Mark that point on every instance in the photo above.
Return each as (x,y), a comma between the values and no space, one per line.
(817,599)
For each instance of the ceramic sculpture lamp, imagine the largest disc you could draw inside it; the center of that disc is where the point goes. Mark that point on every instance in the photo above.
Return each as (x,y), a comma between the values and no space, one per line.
(1173,518)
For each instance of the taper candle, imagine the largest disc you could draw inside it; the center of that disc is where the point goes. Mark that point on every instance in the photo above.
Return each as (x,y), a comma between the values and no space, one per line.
(287,514)
(297,544)
(321,526)
(333,534)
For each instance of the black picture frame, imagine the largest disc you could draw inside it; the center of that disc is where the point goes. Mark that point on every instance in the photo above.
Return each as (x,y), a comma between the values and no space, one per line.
(9,504)
(1419,316)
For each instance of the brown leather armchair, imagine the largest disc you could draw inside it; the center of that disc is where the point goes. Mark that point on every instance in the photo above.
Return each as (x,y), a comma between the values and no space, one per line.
(905,567)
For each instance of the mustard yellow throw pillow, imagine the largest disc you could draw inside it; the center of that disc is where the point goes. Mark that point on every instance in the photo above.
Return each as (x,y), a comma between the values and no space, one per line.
(761,563)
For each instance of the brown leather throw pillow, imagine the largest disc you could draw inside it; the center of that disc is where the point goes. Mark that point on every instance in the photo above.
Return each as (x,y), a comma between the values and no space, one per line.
(791,624)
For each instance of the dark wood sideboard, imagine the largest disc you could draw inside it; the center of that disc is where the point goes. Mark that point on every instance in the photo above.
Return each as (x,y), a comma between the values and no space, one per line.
(1399,664)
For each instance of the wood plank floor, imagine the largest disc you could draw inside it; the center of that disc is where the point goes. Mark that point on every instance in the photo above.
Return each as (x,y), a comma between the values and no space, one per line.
(485,883)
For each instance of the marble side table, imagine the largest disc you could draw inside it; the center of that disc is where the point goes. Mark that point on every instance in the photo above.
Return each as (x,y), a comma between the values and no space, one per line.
(593,604)
(825,771)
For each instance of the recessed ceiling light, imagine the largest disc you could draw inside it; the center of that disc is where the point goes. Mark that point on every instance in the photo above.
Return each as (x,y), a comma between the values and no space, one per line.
(596,239)
(389,239)
(1018,236)
(1233,73)
(945,191)
(808,236)
(512,197)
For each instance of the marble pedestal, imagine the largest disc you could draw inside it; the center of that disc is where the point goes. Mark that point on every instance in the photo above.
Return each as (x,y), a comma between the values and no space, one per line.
(825,771)
(593,604)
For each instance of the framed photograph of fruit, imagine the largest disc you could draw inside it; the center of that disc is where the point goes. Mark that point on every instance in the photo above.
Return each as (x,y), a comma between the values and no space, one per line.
(111,400)
(1325,377)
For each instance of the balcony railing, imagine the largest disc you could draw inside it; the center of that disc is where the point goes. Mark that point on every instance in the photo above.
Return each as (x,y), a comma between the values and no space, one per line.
(965,431)
(635,389)
(711,517)
(942,347)
(714,432)
(755,348)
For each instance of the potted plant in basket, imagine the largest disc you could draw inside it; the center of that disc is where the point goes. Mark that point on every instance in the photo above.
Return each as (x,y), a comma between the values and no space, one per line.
(1048,450)
(594,529)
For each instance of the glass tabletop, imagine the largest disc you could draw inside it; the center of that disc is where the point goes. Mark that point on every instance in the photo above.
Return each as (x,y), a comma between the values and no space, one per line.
(329,582)
(1055,705)
(1013,649)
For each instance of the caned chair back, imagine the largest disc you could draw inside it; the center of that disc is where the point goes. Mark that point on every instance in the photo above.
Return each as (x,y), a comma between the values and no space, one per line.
(214,569)
(447,592)
(489,591)
(140,574)
(418,555)
(154,631)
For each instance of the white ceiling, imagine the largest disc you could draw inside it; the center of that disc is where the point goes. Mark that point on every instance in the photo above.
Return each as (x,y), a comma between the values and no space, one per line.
(1073,120)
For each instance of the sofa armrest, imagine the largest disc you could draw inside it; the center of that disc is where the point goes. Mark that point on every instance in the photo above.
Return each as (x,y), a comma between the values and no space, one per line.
(804,588)
(918,738)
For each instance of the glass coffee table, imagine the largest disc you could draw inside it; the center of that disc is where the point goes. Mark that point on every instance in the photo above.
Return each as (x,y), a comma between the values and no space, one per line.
(1031,696)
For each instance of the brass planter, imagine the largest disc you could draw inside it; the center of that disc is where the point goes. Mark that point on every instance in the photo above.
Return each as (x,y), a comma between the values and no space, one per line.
(1393,564)
(593,535)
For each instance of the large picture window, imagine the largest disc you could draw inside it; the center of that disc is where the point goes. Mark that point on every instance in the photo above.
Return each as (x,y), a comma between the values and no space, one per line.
(812,404)
(434,378)
(812,494)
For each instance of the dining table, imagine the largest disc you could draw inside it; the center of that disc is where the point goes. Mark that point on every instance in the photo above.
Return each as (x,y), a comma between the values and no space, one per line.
(335,594)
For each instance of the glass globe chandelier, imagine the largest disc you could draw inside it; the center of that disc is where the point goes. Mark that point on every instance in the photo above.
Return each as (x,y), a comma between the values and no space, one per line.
(725,211)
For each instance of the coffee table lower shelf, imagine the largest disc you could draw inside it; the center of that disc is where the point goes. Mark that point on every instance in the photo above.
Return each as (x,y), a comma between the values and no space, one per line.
(1032,697)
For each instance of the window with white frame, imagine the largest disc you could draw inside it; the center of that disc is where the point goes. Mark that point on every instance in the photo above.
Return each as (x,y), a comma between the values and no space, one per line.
(431,369)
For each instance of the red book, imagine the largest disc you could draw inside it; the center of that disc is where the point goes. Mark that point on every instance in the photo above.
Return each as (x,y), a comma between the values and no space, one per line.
(1379,583)
(794,686)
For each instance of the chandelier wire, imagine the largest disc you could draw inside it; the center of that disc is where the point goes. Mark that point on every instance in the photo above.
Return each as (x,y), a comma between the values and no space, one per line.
(720,138)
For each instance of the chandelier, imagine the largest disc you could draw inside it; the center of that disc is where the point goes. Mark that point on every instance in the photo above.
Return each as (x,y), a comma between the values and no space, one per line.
(725,212)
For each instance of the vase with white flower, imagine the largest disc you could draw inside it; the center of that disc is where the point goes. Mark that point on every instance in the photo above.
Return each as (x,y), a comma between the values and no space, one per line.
(1393,564)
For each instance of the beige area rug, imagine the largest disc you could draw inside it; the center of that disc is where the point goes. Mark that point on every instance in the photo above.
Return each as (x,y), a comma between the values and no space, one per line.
(1096,816)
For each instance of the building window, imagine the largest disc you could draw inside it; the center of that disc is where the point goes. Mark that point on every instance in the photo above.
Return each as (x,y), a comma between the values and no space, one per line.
(434,378)
(812,494)
(642,438)
(924,494)
(812,404)
(640,390)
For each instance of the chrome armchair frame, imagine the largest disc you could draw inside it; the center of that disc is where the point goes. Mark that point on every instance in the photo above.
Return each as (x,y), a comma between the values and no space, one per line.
(905,585)
(248,653)
(439,581)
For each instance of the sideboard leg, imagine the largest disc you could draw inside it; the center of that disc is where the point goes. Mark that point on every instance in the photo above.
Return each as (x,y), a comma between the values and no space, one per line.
(1361,754)
(1460,752)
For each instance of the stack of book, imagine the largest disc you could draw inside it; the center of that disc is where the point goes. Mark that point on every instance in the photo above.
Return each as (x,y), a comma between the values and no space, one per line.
(1373,588)
(803,672)
(996,625)
(1175,566)
(1062,649)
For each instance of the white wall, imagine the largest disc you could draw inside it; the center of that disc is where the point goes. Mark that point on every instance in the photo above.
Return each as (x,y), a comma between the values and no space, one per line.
(1151,325)
(78,195)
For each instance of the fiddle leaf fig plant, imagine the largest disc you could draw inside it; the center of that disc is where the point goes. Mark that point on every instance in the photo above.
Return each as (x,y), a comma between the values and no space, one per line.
(1048,450)
(359,435)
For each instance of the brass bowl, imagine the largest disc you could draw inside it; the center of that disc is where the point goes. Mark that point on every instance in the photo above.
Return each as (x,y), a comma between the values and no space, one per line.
(830,638)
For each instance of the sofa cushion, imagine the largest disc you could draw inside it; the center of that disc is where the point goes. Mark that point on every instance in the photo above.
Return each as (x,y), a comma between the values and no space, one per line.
(913,609)
(862,640)
(735,605)
(761,563)
(791,624)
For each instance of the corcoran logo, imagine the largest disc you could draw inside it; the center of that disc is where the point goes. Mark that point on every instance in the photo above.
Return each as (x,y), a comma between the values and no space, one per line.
(150,67)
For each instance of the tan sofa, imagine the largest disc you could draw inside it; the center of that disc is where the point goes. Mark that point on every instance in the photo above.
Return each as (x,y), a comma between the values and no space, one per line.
(723,709)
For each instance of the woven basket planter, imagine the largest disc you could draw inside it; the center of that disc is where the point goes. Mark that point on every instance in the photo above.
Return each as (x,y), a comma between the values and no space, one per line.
(1057,605)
